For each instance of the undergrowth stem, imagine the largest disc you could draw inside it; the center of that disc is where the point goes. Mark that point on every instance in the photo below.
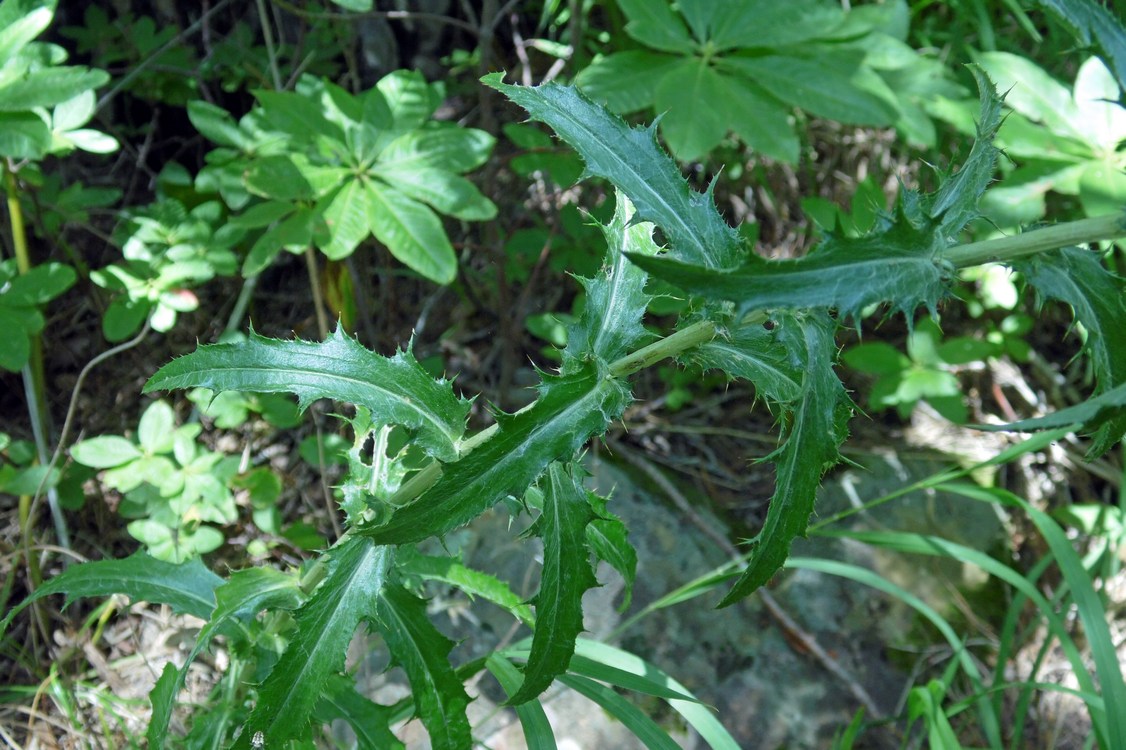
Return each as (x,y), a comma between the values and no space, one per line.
(1070,233)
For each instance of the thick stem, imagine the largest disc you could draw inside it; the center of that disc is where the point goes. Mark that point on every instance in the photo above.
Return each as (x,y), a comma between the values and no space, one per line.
(1006,249)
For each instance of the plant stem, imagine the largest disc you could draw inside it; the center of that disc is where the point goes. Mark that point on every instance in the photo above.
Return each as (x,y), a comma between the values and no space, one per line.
(1110,227)
(670,346)
(318,297)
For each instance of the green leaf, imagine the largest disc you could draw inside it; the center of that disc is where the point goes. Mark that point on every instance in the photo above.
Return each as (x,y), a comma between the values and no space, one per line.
(760,120)
(752,353)
(216,124)
(1108,407)
(370,721)
(473,582)
(39,285)
(625,81)
(631,159)
(105,452)
(416,645)
(20,25)
(444,191)
(409,98)
(442,147)
(155,430)
(1078,278)
(1093,24)
(766,23)
(47,87)
(396,390)
(644,728)
(610,324)
(188,588)
(24,135)
(608,538)
(1032,92)
(277,178)
(346,214)
(690,129)
(823,86)
(566,576)
(570,410)
(240,597)
(355,585)
(299,115)
(538,734)
(653,23)
(412,233)
(813,429)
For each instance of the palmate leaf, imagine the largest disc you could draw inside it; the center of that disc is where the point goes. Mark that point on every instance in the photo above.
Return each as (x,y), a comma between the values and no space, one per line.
(423,653)
(188,588)
(631,159)
(354,586)
(814,427)
(1079,278)
(396,389)
(566,576)
(610,324)
(571,409)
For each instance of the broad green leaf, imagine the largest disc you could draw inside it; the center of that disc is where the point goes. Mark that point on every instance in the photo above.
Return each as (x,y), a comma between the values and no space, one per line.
(447,192)
(345,213)
(24,135)
(277,178)
(769,24)
(39,285)
(411,232)
(565,578)
(610,324)
(353,588)
(240,597)
(301,116)
(625,81)
(653,23)
(631,159)
(637,721)
(416,645)
(752,353)
(1032,92)
(692,96)
(1102,186)
(443,147)
(472,582)
(216,124)
(1078,278)
(1093,25)
(410,99)
(760,120)
(21,25)
(538,734)
(188,588)
(823,86)
(570,410)
(155,430)
(812,430)
(370,721)
(15,348)
(105,452)
(1097,99)
(49,86)
(396,390)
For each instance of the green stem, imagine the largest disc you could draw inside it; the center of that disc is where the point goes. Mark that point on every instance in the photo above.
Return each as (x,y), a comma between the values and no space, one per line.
(1004,249)
(670,346)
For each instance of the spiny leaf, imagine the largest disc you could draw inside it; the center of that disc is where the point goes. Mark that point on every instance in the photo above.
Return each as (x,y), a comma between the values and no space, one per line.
(423,653)
(188,588)
(897,264)
(1094,412)
(753,353)
(243,595)
(356,581)
(1093,24)
(370,721)
(1078,278)
(609,540)
(610,324)
(631,159)
(472,582)
(571,409)
(566,576)
(814,427)
(396,390)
